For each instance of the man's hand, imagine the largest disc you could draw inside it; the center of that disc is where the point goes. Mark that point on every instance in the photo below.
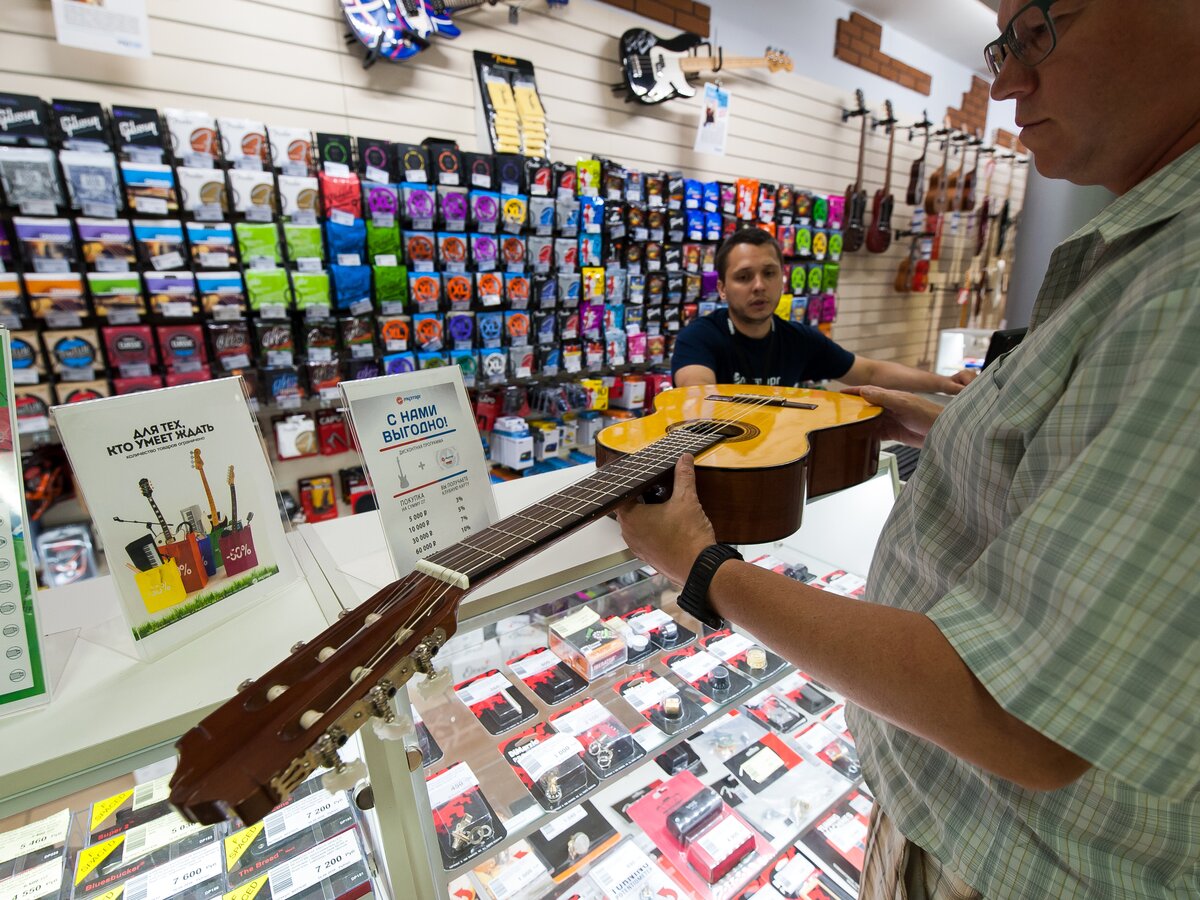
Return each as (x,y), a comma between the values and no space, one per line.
(906,417)
(960,380)
(669,535)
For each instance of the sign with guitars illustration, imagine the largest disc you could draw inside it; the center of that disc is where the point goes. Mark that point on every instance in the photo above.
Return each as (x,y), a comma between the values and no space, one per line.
(658,69)
(181,558)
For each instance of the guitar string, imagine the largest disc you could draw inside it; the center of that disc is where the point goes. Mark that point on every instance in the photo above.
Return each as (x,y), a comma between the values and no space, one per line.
(428,602)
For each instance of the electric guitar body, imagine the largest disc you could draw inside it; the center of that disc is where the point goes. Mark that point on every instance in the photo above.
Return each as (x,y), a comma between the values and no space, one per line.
(651,64)
(760,450)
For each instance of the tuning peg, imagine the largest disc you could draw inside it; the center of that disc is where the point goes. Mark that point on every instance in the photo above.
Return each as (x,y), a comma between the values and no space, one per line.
(345,777)
(396,730)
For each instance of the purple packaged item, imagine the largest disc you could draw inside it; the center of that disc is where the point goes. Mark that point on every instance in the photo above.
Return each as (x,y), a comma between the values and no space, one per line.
(454,207)
(484,251)
(419,204)
(381,199)
(485,209)
(48,245)
(591,320)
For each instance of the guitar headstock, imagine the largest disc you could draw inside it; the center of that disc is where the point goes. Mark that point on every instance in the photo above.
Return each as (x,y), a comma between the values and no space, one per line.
(891,115)
(197,460)
(778,60)
(253,751)
(229,476)
(145,487)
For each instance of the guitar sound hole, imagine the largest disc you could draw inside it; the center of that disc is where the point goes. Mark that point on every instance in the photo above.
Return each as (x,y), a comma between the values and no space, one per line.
(730,432)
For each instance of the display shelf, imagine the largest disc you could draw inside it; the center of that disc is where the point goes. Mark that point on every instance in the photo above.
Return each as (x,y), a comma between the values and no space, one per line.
(111,712)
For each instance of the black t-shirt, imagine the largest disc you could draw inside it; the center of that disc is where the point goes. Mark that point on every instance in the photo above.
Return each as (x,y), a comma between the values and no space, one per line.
(790,355)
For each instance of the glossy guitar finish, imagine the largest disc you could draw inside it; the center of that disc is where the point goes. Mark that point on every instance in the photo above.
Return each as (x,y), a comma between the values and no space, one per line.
(856,197)
(915,195)
(254,750)
(879,235)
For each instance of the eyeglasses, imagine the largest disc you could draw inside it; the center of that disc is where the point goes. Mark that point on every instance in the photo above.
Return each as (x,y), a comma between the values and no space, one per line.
(1029,37)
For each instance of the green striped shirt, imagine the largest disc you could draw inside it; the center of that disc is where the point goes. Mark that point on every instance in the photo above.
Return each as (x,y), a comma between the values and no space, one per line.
(1052,532)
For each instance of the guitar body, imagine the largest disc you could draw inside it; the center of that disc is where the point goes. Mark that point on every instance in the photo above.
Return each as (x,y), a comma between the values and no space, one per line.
(915,195)
(879,235)
(856,211)
(967,201)
(981,228)
(753,484)
(901,285)
(920,276)
(651,67)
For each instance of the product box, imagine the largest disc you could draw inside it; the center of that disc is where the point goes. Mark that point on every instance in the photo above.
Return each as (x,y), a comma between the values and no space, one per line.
(29,177)
(701,838)
(663,631)
(42,882)
(149,188)
(550,765)
(334,870)
(660,700)
(802,692)
(708,674)
(465,823)
(794,877)
(92,181)
(609,745)
(739,652)
(34,845)
(494,701)
(212,244)
(575,837)
(293,828)
(627,872)
(513,874)
(56,295)
(585,643)
(47,245)
(106,244)
(189,868)
(135,806)
(838,840)
(546,675)
(117,294)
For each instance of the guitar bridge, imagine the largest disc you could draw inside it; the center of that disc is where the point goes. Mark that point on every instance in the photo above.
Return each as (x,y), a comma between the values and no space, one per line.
(760,401)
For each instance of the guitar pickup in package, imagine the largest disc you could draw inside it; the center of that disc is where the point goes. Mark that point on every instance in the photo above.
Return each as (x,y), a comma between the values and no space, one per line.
(34,845)
(333,870)
(189,869)
(464,821)
(494,701)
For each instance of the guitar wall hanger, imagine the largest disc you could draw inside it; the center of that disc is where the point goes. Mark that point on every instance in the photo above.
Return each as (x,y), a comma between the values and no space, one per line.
(923,125)
(848,114)
(887,123)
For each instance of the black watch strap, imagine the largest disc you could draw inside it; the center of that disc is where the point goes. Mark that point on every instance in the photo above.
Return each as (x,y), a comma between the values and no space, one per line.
(693,599)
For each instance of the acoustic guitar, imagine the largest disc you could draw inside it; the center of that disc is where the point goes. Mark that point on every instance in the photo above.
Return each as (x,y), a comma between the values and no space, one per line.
(879,235)
(966,200)
(759,451)
(915,195)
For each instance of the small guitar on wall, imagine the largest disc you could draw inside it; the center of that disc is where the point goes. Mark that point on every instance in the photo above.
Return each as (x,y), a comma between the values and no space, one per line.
(656,70)
(879,235)
(856,195)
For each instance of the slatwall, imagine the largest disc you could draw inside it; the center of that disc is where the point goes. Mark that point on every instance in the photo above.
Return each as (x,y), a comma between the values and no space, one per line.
(286,62)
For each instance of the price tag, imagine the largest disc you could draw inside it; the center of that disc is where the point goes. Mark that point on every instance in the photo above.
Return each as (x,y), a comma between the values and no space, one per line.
(580,720)
(308,264)
(262,262)
(362,351)
(40,881)
(273,311)
(454,782)
(729,647)
(481,180)
(483,689)
(198,161)
(259,214)
(331,394)
(279,357)
(85,374)
(177,309)
(383,220)
(208,212)
(151,206)
(644,623)
(693,668)
(302,814)
(535,665)
(422,224)
(25,376)
(646,694)
(289,402)
(242,361)
(337,169)
(97,210)
(419,175)
(320,354)
(43,208)
(63,320)
(294,169)
(386,259)
(349,259)
(214,260)
(32,424)
(225,313)
(376,174)
(549,754)
(316,865)
(170,260)
(512,881)
(249,163)
(110,265)
(304,217)
(316,311)
(44,266)
(175,877)
(341,217)
(449,178)
(188,365)
(393,308)
(135,370)
(359,307)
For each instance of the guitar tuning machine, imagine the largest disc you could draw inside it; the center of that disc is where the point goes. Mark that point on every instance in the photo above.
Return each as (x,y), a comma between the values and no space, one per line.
(464,836)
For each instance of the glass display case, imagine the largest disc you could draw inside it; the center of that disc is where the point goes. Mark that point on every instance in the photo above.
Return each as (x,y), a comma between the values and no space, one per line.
(580,737)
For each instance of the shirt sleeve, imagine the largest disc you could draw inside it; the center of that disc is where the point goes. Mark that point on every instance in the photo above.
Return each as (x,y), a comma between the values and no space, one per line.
(1082,618)
(694,346)
(824,357)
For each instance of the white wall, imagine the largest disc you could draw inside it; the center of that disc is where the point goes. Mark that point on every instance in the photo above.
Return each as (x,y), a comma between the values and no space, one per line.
(285,61)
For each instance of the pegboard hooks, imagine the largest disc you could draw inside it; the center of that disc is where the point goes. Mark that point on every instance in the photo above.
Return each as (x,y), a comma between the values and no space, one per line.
(848,114)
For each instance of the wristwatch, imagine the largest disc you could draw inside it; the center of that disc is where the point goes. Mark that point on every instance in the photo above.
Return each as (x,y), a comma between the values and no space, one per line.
(693,599)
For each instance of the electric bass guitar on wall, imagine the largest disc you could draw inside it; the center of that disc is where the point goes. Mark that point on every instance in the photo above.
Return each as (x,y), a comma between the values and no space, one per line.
(657,70)
(879,235)
(856,195)
(758,450)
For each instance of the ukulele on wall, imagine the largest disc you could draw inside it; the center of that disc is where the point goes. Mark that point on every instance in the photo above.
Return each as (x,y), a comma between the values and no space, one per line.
(253,751)
(656,70)
(856,196)
(966,201)
(915,195)
(879,235)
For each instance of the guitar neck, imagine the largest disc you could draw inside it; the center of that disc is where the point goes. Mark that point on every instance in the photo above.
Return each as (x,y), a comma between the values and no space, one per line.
(887,175)
(493,549)
(232,504)
(213,515)
(162,522)
(693,64)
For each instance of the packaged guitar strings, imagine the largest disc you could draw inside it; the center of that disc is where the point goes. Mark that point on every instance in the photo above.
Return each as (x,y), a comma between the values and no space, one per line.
(92,182)
(29,177)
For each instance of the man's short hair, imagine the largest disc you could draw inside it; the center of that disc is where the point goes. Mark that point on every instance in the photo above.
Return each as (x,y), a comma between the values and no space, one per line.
(755,236)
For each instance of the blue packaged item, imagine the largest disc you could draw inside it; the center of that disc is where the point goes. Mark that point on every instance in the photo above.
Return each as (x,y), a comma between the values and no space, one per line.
(544,327)
(493,364)
(712,196)
(695,225)
(591,214)
(591,250)
(490,326)
(693,193)
(635,317)
(399,363)
(545,291)
(346,240)
(351,284)
(614,317)
(712,226)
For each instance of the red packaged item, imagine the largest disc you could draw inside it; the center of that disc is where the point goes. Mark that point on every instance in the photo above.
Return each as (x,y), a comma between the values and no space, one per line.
(231,345)
(201,374)
(182,347)
(747,198)
(317,498)
(701,838)
(333,435)
(495,701)
(129,346)
(342,194)
(134,385)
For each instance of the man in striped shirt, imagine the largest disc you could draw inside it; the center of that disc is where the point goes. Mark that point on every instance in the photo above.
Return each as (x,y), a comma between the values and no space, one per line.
(1026,675)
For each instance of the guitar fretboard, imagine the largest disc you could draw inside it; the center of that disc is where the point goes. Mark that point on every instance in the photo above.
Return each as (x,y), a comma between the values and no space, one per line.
(496,547)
